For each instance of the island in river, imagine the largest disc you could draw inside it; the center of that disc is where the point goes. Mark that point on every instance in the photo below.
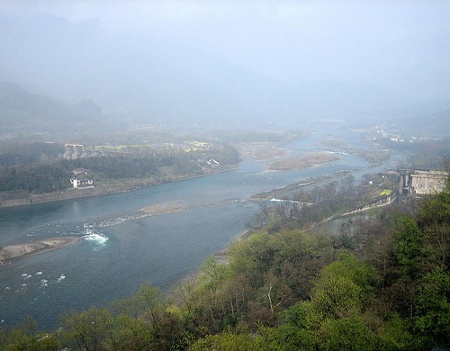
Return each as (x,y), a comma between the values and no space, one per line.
(310,160)
(13,252)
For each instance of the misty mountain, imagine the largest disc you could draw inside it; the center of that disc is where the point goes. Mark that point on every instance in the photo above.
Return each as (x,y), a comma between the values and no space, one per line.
(21,111)
(434,122)
(157,81)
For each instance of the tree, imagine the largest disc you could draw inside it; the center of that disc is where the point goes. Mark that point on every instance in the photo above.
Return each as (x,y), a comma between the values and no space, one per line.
(333,318)
(433,306)
(288,338)
(351,334)
(228,342)
(434,221)
(26,337)
(132,334)
(151,301)
(394,335)
(89,330)
(409,246)
(213,273)
(260,218)
(344,287)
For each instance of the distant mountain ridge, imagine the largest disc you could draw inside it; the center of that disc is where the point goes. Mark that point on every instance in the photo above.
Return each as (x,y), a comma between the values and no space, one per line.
(21,111)
(154,81)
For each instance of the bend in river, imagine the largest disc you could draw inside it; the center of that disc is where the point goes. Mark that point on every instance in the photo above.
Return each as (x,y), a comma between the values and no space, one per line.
(123,246)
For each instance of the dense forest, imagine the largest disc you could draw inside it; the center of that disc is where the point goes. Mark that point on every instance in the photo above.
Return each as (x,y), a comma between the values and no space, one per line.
(36,168)
(383,284)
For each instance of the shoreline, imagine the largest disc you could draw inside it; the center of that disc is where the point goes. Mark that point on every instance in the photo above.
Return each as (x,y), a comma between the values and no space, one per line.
(10,253)
(289,188)
(71,193)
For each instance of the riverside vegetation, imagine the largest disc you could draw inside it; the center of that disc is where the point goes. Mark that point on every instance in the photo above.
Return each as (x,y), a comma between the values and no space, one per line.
(32,170)
(383,284)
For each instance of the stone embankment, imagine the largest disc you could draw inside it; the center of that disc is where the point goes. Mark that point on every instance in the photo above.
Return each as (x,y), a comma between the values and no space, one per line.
(50,197)
(288,189)
(378,202)
(107,187)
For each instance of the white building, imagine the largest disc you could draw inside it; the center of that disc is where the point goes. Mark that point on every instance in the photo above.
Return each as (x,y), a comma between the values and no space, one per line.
(82,183)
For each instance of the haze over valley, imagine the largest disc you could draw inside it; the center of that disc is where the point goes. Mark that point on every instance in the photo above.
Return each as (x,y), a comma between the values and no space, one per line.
(190,175)
(257,65)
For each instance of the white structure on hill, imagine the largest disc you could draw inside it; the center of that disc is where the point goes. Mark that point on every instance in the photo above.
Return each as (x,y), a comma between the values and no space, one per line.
(82,183)
(424,182)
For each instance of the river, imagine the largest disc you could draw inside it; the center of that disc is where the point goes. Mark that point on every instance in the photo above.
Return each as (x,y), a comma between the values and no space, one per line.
(121,248)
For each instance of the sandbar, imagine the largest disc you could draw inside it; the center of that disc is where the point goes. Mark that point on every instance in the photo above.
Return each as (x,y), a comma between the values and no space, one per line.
(311,160)
(165,208)
(17,251)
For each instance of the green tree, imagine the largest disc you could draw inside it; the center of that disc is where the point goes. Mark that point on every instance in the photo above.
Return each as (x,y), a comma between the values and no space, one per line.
(334,317)
(27,338)
(434,221)
(394,335)
(212,273)
(132,334)
(351,334)
(288,337)
(151,301)
(344,287)
(433,306)
(410,247)
(228,342)
(91,330)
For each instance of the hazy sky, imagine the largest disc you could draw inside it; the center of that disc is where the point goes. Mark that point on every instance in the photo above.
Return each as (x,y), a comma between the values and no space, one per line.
(402,46)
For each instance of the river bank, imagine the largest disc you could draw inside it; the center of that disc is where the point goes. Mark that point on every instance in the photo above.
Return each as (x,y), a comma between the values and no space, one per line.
(10,253)
(101,188)
(67,194)
(291,188)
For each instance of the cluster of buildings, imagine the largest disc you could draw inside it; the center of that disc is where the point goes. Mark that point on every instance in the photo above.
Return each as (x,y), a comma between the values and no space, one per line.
(76,151)
(381,132)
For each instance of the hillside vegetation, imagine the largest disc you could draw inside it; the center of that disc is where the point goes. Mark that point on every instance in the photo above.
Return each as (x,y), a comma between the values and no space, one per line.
(384,284)
(37,168)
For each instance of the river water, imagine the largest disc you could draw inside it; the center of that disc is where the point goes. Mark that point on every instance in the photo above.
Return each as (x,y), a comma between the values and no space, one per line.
(121,248)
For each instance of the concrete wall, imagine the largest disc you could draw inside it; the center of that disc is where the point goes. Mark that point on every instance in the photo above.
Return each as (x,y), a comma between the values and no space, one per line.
(424,182)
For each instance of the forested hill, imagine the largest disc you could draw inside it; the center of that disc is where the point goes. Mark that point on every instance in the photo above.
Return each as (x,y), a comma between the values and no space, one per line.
(23,112)
(383,284)
(30,170)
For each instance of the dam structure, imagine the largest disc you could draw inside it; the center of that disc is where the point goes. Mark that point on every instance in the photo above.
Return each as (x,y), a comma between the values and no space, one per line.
(423,182)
